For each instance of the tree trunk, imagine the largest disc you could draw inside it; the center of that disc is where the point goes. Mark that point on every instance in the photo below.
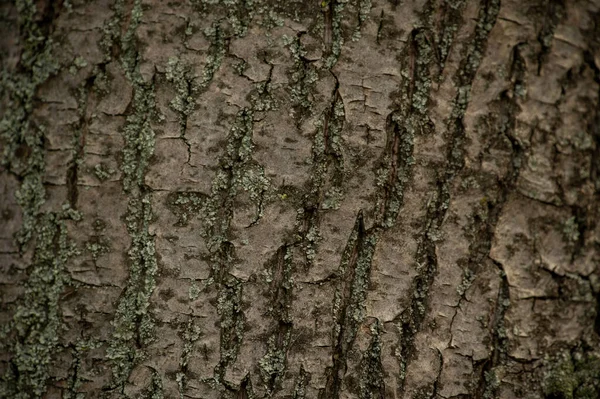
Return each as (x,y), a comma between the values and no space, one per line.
(300,199)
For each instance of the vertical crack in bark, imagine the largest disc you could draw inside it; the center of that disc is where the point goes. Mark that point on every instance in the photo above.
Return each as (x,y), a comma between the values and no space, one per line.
(354,273)
(355,266)
(183,103)
(447,23)
(488,379)
(301,384)
(508,109)
(553,11)
(133,323)
(332,36)
(191,334)
(410,118)
(238,171)
(273,364)
(411,319)
(81,130)
(326,176)
(371,383)
(303,77)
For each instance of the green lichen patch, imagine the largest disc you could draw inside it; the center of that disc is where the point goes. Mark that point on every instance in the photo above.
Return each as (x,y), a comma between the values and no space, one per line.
(133,323)
(371,383)
(186,204)
(103,172)
(303,77)
(97,246)
(186,87)
(22,142)
(32,334)
(333,35)
(191,333)
(364,9)
(572,375)
(232,325)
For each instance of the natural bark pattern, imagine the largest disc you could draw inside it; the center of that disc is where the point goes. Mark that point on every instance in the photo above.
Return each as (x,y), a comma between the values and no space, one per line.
(235,199)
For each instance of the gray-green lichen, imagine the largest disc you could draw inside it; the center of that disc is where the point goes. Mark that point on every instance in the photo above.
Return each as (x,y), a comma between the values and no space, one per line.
(572,375)
(191,334)
(32,334)
(22,141)
(133,322)
(103,172)
(371,382)
(303,77)
(364,9)
(334,39)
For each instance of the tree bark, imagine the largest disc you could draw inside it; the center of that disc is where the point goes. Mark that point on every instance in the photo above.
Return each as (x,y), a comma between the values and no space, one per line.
(300,199)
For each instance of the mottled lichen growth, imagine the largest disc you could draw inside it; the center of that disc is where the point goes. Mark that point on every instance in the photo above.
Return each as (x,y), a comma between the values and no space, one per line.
(327,173)
(364,8)
(572,375)
(22,141)
(185,205)
(133,323)
(215,55)
(32,334)
(333,35)
(191,334)
(279,276)
(371,384)
(186,88)
(448,25)
(303,77)
(408,119)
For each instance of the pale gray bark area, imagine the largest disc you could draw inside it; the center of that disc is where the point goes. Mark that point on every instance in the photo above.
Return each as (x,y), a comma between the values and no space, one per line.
(300,199)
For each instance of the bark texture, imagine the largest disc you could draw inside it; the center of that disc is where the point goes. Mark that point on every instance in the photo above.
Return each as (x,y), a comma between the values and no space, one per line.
(242,199)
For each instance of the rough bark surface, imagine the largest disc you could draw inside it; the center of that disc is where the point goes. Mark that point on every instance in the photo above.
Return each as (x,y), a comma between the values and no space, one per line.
(261,199)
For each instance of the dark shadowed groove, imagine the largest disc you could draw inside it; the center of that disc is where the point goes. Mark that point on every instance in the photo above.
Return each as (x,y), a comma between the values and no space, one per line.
(507,107)
(301,384)
(178,73)
(332,33)
(552,12)
(81,129)
(354,275)
(303,77)
(273,364)
(190,334)
(488,382)
(237,171)
(411,319)
(448,22)
(371,383)
(594,129)
(327,169)
(408,119)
